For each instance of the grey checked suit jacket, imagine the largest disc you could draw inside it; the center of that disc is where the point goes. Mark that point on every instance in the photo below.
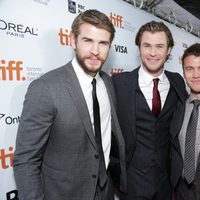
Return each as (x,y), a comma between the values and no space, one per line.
(55,148)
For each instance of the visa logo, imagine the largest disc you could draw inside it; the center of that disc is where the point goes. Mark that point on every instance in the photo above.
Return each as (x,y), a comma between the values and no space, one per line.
(121,49)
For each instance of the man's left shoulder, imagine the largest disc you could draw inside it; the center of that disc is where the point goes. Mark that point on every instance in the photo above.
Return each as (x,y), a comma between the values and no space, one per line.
(102,73)
(169,73)
(174,76)
(105,76)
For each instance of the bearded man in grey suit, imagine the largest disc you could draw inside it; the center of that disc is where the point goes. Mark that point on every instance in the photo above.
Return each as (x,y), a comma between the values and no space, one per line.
(57,156)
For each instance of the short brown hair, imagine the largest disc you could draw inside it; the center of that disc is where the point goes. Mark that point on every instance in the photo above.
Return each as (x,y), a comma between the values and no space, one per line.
(154,27)
(94,17)
(192,50)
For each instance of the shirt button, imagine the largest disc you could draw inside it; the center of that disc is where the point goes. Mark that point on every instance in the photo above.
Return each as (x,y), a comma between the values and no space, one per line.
(94,176)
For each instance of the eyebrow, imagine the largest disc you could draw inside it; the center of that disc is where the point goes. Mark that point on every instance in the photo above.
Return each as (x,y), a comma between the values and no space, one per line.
(101,41)
(159,44)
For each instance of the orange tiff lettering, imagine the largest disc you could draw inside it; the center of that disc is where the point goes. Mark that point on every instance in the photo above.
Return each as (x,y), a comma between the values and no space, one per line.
(65,37)
(117,20)
(11,69)
(6,159)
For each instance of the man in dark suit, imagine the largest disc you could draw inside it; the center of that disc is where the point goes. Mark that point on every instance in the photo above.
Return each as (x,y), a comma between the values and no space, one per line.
(145,107)
(186,158)
(58,155)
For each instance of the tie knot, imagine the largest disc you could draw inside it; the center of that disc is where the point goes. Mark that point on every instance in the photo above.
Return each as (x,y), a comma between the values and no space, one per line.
(94,82)
(196,102)
(155,81)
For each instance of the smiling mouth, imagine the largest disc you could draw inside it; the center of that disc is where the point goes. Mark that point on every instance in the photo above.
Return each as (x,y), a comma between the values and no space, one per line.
(153,60)
(196,81)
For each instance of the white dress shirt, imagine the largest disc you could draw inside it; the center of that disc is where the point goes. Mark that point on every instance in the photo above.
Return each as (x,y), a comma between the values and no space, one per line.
(146,86)
(85,81)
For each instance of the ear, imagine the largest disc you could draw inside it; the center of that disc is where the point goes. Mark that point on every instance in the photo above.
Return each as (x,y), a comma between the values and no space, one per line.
(169,50)
(138,50)
(73,41)
(184,73)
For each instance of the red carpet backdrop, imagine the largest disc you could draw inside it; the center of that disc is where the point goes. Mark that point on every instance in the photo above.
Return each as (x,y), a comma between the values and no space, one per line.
(35,37)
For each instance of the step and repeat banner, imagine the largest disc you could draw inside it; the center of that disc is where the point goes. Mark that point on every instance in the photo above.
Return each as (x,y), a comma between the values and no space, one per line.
(35,37)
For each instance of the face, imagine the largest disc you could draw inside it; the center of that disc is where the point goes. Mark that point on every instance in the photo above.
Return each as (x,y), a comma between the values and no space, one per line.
(153,52)
(191,71)
(92,47)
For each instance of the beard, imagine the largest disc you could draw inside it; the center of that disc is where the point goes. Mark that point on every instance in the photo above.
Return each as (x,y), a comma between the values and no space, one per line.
(88,69)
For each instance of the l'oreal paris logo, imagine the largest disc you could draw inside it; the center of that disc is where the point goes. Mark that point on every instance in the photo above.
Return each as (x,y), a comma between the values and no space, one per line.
(11,27)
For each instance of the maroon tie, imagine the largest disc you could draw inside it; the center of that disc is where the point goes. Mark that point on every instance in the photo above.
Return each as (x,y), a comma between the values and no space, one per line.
(156,103)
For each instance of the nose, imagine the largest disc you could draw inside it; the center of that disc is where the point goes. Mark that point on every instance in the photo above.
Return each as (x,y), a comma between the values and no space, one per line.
(196,73)
(153,51)
(95,49)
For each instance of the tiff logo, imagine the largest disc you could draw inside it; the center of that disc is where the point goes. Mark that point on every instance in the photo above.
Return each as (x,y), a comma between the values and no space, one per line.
(115,70)
(6,158)
(11,69)
(65,37)
(117,20)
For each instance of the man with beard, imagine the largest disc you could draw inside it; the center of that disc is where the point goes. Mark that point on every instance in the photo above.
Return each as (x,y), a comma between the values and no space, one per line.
(69,142)
(146,100)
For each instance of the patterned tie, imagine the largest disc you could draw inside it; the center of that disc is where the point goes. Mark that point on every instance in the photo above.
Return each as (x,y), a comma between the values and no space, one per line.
(189,161)
(97,128)
(156,103)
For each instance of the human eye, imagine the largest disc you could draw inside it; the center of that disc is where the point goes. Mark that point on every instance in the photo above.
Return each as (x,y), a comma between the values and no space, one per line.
(87,40)
(146,45)
(188,69)
(104,43)
(160,46)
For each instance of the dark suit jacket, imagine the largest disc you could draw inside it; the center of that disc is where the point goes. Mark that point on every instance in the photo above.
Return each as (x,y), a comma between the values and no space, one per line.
(56,148)
(125,84)
(177,159)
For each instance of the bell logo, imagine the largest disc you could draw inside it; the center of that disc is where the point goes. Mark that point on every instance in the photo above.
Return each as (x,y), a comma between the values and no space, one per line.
(6,159)
(10,70)
(65,37)
(117,20)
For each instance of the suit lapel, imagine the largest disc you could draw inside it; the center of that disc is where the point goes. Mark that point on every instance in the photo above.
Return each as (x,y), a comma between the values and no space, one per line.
(74,89)
(111,100)
(175,84)
(176,123)
(111,96)
(131,85)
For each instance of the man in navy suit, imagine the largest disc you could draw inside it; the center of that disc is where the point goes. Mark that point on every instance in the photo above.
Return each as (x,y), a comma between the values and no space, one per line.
(147,133)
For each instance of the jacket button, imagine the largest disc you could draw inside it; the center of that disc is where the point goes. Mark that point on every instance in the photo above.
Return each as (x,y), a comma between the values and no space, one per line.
(94,176)
(154,163)
(96,156)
